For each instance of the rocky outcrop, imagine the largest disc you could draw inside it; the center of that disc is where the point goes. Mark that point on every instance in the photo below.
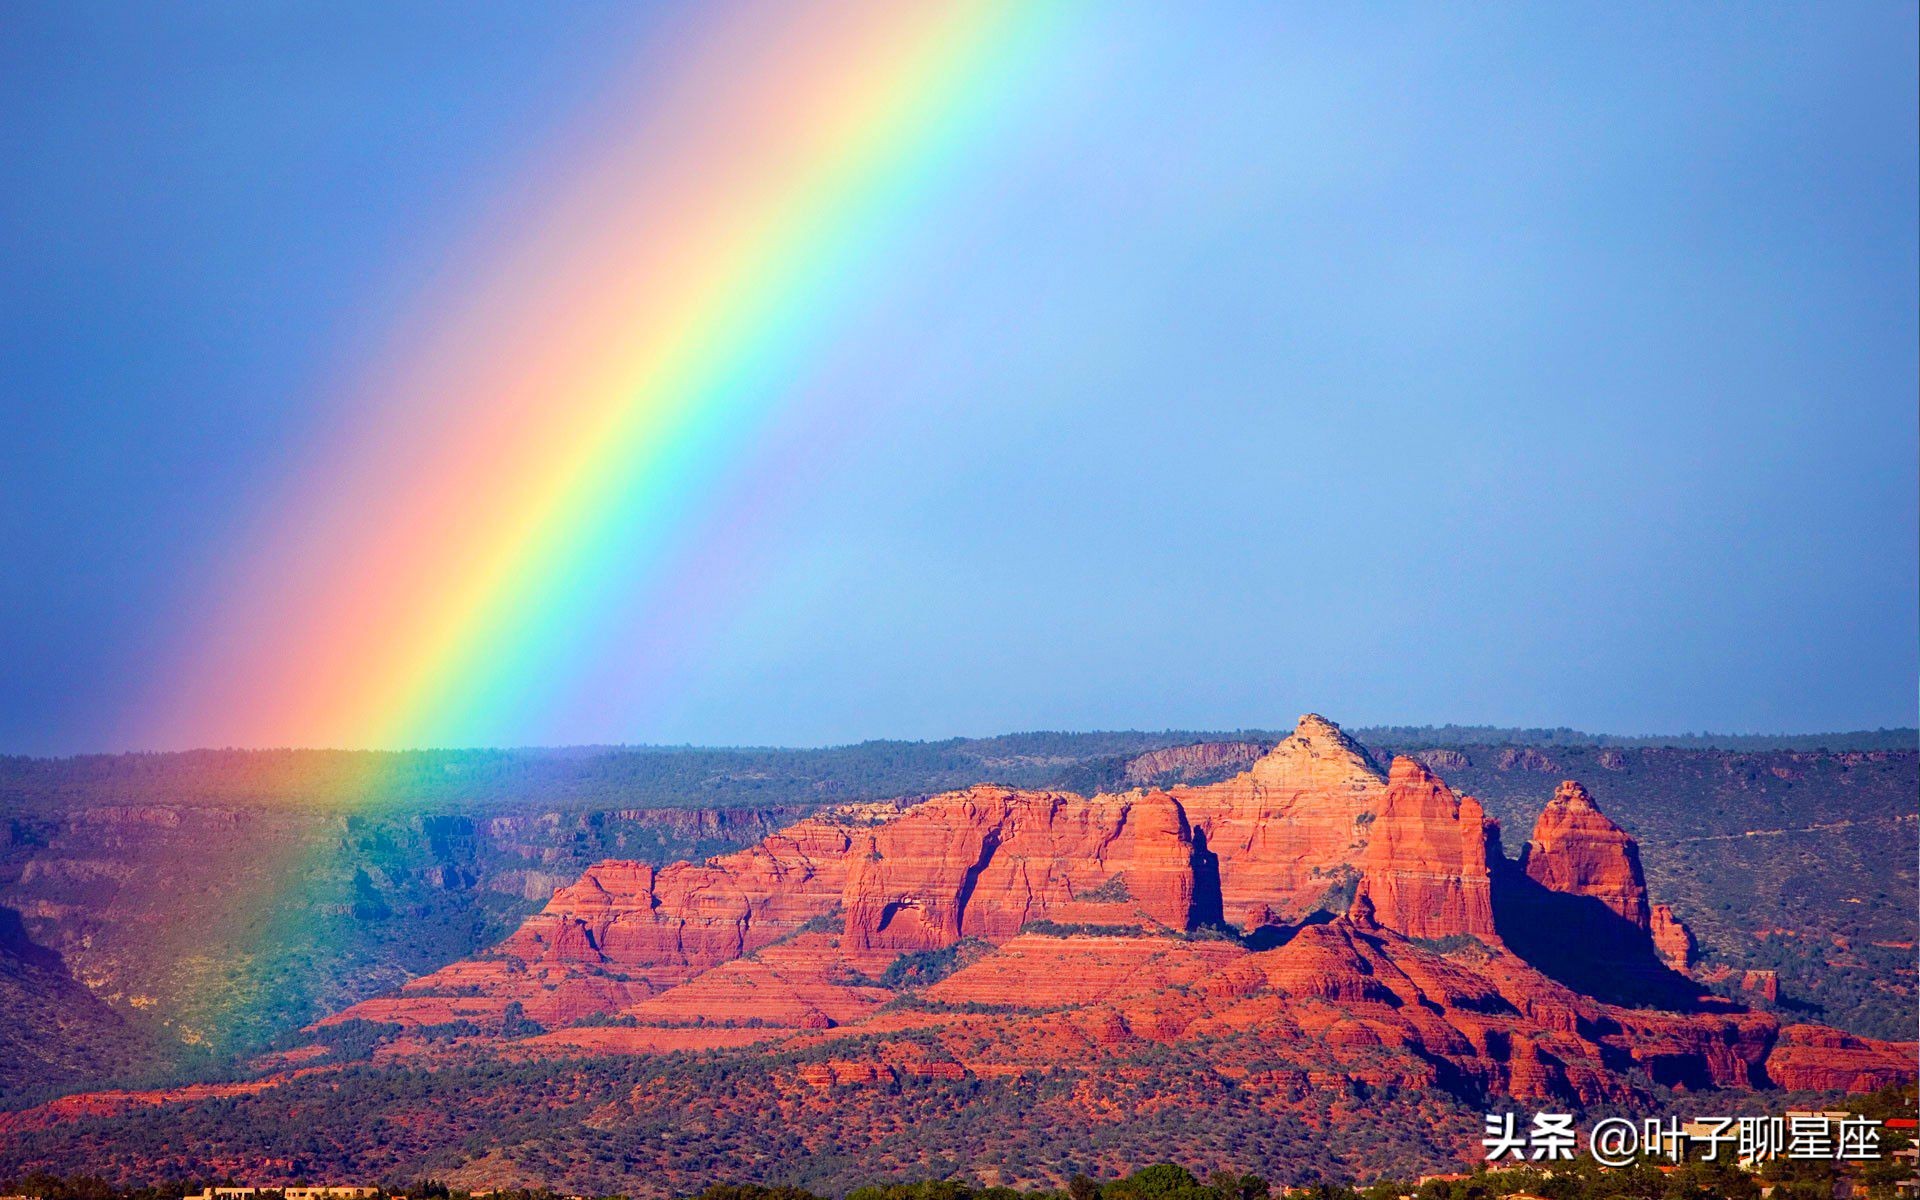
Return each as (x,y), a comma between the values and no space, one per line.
(1672,940)
(1524,758)
(1292,827)
(1427,873)
(981,864)
(1765,984)
(1816,1059)
(1265,847)
(798,984)
(668,924)
(1577,850)
(627,930)
(1084,970)
(984,862)
(1187,763)
(1442,760)
(1575,906)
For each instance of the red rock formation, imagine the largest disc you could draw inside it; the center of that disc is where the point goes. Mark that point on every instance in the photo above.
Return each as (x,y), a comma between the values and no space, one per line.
(85,1105)
(1081,970)
(668,925)
(625,930)
(1672,940)
(643,1039)
(980,863)
(1348,1000)
(1292,827)
(1762,983)
(1360,1005)
(1427,872)
(1578,850)
(1813,1058)
(984,862)
(780,955)
(797,984)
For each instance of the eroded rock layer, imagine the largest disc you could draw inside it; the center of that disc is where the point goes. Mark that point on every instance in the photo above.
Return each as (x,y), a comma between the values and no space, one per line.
(1292,827)
(1427,867)
(1578,850)
(984,862)
(1672,940)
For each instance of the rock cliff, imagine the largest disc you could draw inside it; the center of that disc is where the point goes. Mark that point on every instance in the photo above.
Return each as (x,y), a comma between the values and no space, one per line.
(1577,850)
(1427,873)
(1290,828)
(984,862)
(626,930)
(1672,940)
(1188,763)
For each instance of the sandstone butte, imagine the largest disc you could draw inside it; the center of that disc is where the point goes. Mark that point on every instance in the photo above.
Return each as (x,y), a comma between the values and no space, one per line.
(1577,850)
(1384,939)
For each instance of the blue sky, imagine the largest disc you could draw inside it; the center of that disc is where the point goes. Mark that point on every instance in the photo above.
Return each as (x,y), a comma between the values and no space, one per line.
(1542,365)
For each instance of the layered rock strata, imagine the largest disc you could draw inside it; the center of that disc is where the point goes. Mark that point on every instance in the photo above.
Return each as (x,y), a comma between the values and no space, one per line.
(1427,873)
(1578,850)
(1290,828)
(984,862)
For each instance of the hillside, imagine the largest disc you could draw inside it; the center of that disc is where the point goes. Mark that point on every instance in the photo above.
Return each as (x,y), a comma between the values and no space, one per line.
(57,1035)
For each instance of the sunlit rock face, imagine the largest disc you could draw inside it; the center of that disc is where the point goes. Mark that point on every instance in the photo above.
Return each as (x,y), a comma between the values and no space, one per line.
(1427,873)
(1578,850)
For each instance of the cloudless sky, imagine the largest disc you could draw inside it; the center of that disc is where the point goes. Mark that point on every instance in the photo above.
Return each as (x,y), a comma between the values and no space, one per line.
(1512,364)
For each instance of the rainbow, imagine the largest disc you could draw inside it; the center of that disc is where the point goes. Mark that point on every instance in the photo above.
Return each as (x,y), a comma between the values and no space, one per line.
(518,478)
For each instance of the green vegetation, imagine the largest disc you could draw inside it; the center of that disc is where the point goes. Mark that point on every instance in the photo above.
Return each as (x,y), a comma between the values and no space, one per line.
(1060,929)
(1416,737)
(516,1024)
(1452,944)
(677,1123)
(594,778)
(923,967)
(346,1041)
(1582,1179)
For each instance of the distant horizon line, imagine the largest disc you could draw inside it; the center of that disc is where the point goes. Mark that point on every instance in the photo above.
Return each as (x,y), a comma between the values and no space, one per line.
(1453,734)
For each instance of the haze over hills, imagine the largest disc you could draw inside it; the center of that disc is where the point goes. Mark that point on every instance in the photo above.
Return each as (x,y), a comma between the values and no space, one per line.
(1279,936)
(692,776)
